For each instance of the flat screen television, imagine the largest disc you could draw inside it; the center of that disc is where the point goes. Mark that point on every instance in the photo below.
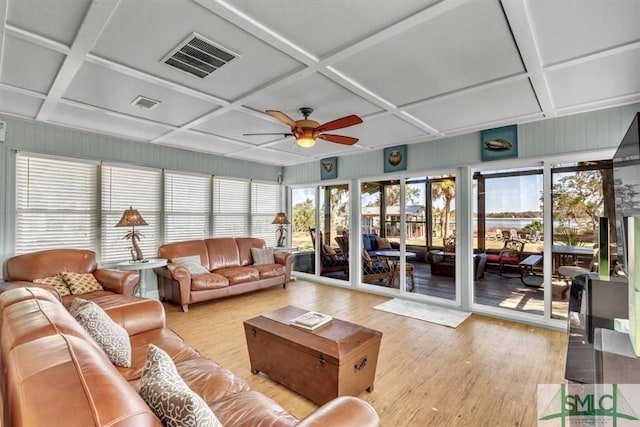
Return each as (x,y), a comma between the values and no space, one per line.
(626,182)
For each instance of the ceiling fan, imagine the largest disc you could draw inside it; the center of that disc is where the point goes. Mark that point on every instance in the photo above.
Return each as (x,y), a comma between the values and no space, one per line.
(306,131)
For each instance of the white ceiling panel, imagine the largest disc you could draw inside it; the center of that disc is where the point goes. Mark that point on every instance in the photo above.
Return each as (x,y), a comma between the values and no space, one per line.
(572,28)
(597,80)
(328,100)
(109,124)
(29,66)
(57,21)
(508,101)
(143,32)
(466,46)
(200,142)
(414,71)
(233,124)
(383,131)
(108,89)
(17,104)
(305,23)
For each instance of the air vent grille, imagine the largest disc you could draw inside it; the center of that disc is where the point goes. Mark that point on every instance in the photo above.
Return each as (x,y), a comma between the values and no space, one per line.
(198,56)
(144,102)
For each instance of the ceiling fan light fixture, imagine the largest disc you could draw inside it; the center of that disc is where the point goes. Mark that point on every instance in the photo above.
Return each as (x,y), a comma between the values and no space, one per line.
(305,141)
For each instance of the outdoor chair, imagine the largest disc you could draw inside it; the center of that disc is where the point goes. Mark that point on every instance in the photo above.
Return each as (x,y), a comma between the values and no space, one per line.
(331,260)
(376,269)
(509,255)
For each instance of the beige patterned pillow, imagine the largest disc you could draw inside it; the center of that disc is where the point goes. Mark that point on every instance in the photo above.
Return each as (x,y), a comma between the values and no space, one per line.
(56,282)
(111,337)
(169,396)
(191,263)
(81,283)
(262,256)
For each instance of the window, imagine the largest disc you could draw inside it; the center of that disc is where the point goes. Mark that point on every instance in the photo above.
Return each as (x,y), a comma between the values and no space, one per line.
(265,204)
(187,203)
(122,188)
(230,207)
(56,204)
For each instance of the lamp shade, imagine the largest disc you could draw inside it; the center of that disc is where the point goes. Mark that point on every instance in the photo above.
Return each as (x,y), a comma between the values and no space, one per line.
(131,217)
(281,218)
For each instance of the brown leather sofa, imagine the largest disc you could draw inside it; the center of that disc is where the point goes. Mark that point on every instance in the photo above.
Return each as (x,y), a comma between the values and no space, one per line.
(22,270)
(230,265)
(55,374)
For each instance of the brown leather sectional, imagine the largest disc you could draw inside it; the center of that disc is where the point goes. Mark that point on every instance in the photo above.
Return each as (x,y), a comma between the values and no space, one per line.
(55,374)
(22,270)
(230,265)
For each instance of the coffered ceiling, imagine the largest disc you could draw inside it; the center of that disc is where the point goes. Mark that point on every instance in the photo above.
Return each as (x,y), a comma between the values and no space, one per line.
(414,70)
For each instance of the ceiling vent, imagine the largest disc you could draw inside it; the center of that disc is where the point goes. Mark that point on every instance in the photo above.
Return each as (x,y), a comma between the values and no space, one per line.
(145,103)
(198,56)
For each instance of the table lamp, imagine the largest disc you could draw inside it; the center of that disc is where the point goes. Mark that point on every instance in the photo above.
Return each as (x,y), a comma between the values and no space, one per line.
(281,220)
(130,218)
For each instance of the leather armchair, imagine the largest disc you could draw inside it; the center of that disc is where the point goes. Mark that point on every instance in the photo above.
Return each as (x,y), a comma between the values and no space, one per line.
(21,270)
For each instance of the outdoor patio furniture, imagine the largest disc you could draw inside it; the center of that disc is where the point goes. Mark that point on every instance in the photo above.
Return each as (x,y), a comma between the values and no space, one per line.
(509,255)
(331,260)
(373,269)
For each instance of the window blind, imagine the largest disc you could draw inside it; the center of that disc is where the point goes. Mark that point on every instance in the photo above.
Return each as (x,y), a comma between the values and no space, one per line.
(122,188)
(55,203)
(265,204)
(187,203)
(230,207)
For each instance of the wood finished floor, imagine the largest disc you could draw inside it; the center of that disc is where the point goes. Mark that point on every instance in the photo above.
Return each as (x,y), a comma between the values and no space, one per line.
(484,373)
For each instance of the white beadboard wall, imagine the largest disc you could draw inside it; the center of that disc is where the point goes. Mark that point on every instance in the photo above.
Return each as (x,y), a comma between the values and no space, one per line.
(580,133)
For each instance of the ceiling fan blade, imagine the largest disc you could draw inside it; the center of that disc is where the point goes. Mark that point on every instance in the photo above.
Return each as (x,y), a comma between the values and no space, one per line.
(338,139)
(284,135)
(282,117)
(340,123)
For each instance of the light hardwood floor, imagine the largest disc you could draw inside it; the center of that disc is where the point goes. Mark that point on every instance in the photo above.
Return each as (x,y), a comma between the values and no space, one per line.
(484,373)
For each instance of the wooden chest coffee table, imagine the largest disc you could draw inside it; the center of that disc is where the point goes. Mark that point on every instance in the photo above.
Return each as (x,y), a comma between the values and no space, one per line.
(337,359)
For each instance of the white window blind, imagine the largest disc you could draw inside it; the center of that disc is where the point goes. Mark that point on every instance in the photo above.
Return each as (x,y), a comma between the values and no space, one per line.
(187,202)
(123,188)
(230,207)
(55,203)
(265,204)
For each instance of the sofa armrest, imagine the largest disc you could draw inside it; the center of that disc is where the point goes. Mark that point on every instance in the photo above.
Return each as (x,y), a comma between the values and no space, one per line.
(120,282)
(286,259)
(5,286)
(345,411)
(180,275)
(139,316)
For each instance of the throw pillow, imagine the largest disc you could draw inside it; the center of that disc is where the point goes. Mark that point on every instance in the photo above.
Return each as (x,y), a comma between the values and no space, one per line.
(329,251)
(111,337)
(383,243)
(81,283)
(262,256)
(191,263)
(169,396)
(56,282)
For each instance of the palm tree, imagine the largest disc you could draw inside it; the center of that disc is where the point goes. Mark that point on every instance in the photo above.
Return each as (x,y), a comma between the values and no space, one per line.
(445,189)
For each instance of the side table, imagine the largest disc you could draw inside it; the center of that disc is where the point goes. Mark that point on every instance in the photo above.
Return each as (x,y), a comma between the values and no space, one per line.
(140,267)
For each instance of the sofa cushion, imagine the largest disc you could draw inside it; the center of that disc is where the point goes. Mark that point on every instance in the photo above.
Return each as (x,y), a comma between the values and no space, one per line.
(201,282)
(269,271)
(80,284)
(239,274)
(262,256)
(112,338)
(259,410)
(164,338)
(169,396)
(191,263)
(209,380)
(369,243)
(56,282)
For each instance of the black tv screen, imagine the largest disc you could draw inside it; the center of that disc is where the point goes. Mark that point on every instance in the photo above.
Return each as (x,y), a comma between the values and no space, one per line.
(626,176)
